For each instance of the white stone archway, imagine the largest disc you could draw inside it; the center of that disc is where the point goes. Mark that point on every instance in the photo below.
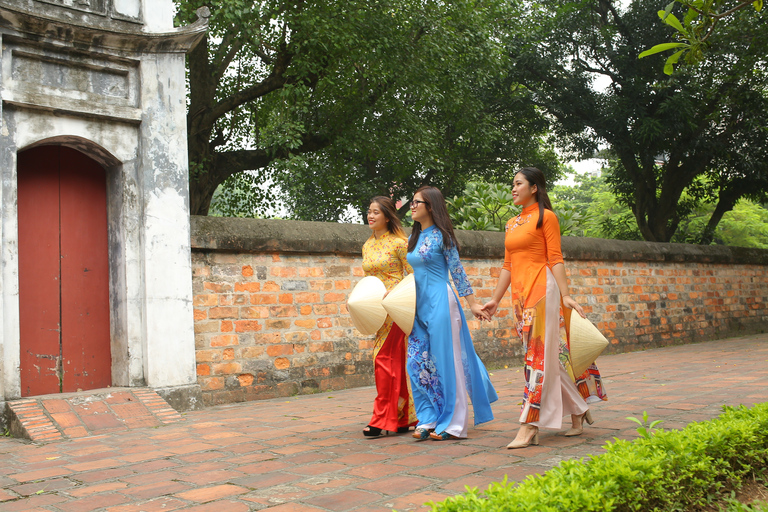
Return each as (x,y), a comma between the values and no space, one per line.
(112,87)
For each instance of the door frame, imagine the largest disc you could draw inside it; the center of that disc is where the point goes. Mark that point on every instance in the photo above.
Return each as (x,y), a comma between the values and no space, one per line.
(117,217)
(55,286)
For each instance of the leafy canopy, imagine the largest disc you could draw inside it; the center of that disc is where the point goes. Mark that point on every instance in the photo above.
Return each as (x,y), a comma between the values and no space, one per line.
(681,141)
(334,102)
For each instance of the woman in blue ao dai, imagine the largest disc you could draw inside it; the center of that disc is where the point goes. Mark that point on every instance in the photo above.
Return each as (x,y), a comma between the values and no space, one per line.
(442,364)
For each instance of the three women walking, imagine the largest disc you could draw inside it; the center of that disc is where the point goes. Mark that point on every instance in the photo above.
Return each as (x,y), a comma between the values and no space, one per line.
(441,362)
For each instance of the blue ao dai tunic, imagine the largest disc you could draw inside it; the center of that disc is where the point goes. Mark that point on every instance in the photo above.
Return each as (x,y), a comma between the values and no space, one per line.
(442,363)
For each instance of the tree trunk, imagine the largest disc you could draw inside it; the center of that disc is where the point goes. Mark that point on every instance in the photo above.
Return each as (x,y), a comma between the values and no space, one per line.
(725,203)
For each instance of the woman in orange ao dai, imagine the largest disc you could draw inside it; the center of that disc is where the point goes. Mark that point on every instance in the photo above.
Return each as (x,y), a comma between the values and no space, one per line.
(384,257)
(541,309)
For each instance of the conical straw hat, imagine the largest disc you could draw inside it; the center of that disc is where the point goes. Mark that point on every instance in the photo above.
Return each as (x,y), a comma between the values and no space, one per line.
(586,343)
(400,303)
(364,305)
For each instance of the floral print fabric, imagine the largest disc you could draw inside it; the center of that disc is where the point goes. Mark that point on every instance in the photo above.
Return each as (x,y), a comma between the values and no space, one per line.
(431,364)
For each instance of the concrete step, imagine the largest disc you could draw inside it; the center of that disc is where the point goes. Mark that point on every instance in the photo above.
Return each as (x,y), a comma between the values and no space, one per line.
(61,416)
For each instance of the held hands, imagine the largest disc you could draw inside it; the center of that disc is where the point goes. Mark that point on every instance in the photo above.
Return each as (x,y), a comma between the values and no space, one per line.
(479,313)
(490,308)
(570,303)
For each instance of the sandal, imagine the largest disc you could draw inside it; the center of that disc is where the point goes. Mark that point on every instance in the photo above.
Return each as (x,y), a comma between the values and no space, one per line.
(422,433)
(442,436)
(370,431)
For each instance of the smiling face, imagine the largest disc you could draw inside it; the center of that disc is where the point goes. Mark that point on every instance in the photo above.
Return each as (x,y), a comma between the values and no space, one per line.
(377,221)
(419,209)
(523,193)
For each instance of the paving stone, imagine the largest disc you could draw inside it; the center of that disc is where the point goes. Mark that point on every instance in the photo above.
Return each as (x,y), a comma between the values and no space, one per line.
(307,453)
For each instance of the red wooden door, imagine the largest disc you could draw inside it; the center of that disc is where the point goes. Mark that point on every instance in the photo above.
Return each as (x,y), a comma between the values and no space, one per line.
(63,272)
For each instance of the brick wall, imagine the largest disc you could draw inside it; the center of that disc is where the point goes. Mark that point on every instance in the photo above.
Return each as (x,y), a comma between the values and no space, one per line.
(271,317)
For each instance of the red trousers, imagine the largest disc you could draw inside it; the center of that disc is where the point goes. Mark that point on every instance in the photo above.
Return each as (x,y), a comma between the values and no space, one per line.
(390,409)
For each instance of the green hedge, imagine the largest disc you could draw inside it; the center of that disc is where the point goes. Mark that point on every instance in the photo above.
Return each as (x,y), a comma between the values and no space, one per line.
(669,470)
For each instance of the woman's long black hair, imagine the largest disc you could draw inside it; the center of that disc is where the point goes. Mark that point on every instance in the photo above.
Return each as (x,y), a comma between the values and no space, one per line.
(439,211)
(390,212)
(535,177)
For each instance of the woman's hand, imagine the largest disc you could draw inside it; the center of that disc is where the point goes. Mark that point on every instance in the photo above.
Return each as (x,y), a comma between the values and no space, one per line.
(570,303)
(490,308)
(479,313)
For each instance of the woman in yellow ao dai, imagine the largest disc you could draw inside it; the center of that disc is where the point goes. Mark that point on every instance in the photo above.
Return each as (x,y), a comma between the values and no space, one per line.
(384,257)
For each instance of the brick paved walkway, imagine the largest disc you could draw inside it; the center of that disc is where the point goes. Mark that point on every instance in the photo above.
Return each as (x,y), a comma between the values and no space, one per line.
(307,452)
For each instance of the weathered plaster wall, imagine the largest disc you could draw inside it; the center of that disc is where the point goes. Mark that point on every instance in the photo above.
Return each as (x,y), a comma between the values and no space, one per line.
(108,79)
(271,318)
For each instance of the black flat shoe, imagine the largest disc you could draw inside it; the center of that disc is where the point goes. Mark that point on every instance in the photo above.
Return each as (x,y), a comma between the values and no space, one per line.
(403,430)
(370,431)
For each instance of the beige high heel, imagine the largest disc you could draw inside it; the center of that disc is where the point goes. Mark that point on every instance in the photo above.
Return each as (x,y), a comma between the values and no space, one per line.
(577,431)
(533,440)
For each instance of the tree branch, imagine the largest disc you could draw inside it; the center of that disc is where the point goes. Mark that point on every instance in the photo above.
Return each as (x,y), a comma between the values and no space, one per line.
(231,162)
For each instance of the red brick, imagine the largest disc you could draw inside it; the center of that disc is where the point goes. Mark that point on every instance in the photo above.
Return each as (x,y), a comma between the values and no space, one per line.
(66,419)
(250,352)
(285,272)
(218,287)
(325,346)
(271,286)
(223,312)
(285,298)
(211,383)
(205,300)
(208,355)
(248,287)
(254,312)
(203,369)
(247,326)
(216,492)
(263,298)
(280,311)
(279,350)
(245,379)
(335,297)
(247,271)
(307,297)
(311,272)
(226,368)
(56,405)
(224,340)
(267,338)
(96,502)
(325,309)
(281,363)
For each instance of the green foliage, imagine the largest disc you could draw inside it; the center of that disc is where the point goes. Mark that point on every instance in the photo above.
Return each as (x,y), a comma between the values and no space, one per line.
(701,18)
(675,142)
(241,196)
(600,213)
(670,470)
(482,207)
(334,102)
(488,207)
(732,505)
(646,427)
(744,226)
